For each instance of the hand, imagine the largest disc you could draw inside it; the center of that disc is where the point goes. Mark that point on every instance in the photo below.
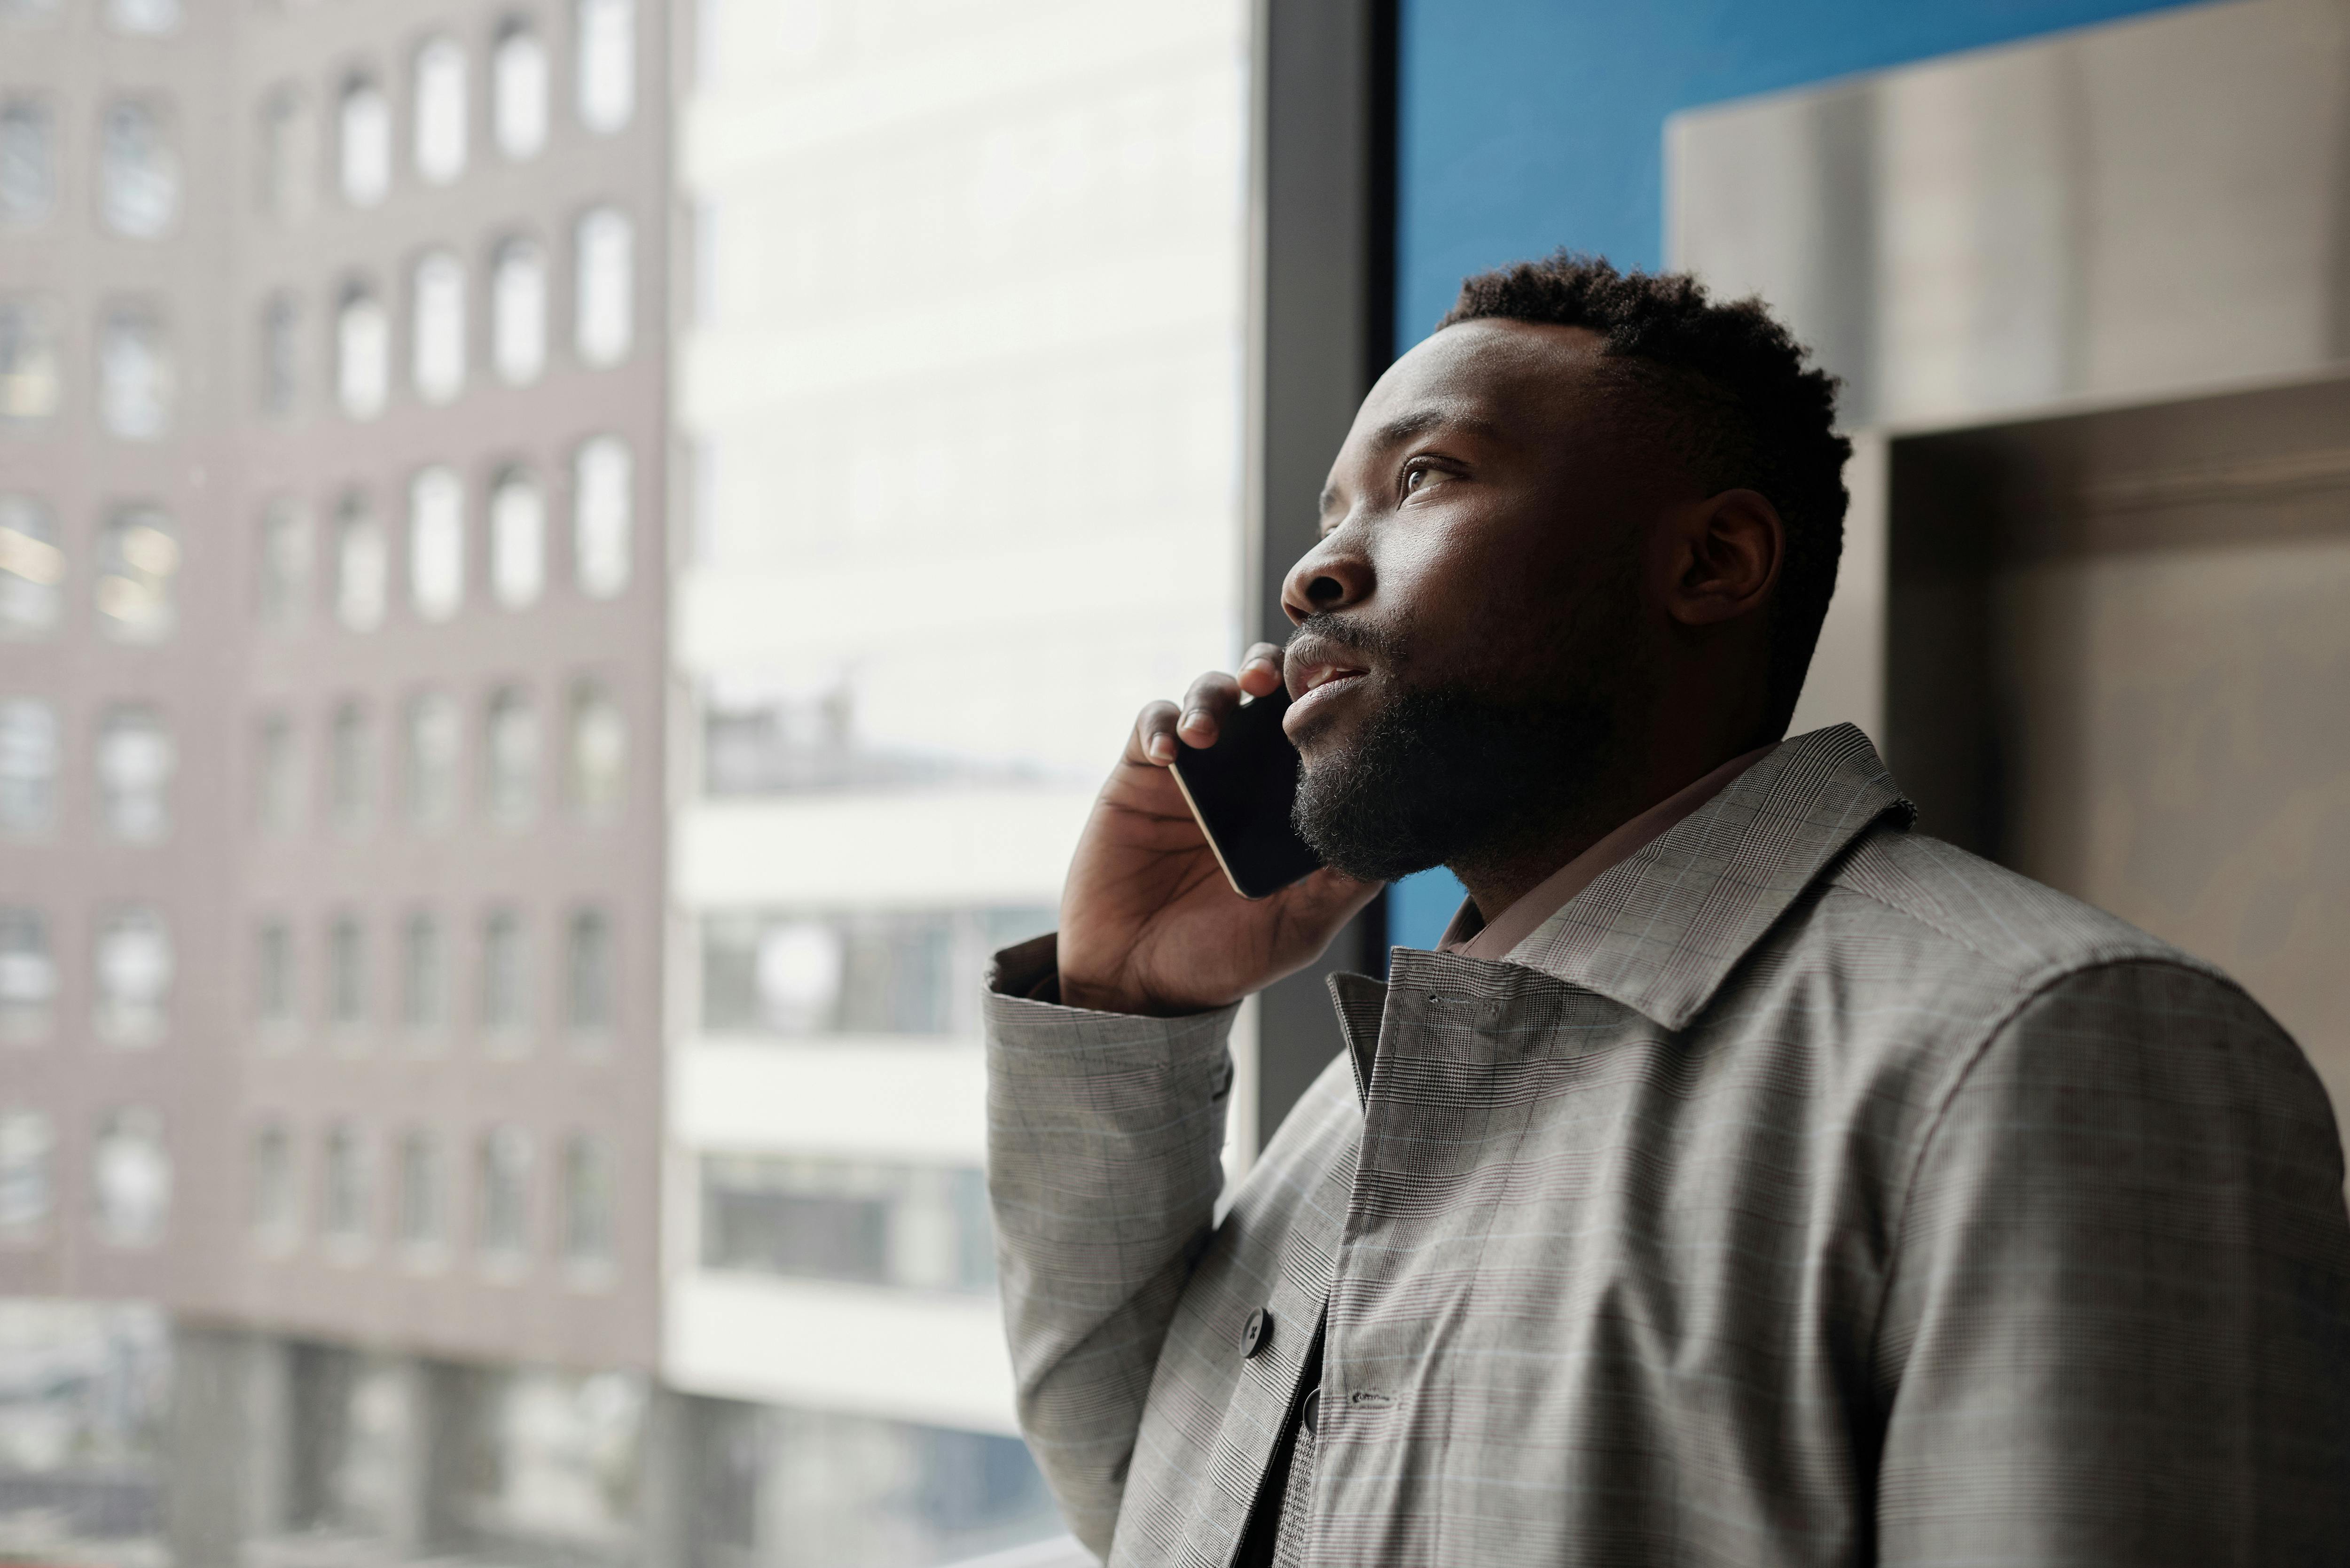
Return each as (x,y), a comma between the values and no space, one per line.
(1149,923)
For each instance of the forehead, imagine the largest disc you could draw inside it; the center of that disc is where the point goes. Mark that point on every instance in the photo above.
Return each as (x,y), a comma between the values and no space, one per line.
(1518,378)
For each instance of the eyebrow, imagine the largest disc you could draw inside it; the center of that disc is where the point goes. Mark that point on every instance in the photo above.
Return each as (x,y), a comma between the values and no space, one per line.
(1405,427)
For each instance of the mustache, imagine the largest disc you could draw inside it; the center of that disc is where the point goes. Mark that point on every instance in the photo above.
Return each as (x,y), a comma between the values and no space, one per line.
(1386,647)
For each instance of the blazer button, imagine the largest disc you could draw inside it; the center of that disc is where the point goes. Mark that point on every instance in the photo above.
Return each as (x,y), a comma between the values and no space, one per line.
(1256,1332)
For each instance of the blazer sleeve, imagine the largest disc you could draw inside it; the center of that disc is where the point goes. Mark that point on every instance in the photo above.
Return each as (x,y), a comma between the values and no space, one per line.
(1105,1157)
(2116,1329)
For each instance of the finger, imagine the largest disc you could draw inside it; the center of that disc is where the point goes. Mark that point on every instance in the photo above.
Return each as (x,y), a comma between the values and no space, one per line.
(1153,740)
(1260,670)
(1211,696)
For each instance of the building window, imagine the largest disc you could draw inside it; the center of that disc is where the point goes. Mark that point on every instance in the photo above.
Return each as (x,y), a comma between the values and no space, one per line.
(346,972)
(437,341)
(282,591)
(418,1222)
(287,156)
(518,91)
(436,543)
(32,569)
(608,63)
(588,972)
(28,975)
(130,1178)
(152,17)
(598,771)
(501,1214)
(603,511)
(28,1180)
(439,111)
(137,170)
(277,777)
(281,354)
(517,538)
(587,1199)
(435,737)
(29,11)
(505,995)
(915,1227)
(138,575)
(518,312)
(135,374)
(362,353)
(132,965)
(30,377)
(512,751)
(135,761)
(276,1197)
(605,289)
(28,172)
(424,974)
(857,973)
(350,768)
(343,1214)
(365,150)
(361,565)
(273,975)
(29,766)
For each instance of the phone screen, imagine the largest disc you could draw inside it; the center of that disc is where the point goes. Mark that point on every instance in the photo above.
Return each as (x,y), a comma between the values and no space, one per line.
(1240,789)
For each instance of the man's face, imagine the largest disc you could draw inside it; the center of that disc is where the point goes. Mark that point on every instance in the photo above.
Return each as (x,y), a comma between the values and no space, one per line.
(1471,626)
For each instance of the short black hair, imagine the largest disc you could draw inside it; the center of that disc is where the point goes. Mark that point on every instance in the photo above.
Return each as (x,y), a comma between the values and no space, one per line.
(1732,399)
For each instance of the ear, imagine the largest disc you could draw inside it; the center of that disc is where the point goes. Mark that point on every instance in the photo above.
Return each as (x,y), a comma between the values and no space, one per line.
(1724,553)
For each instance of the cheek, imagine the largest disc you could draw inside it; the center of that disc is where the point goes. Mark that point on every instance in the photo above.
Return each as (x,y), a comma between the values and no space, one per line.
(1476,602)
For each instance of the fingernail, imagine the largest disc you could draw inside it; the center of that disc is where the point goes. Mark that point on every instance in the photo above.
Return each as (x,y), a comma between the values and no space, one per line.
(1162,747)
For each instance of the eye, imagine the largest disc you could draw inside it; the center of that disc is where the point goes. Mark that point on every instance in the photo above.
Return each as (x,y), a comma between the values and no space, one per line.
(1416,476)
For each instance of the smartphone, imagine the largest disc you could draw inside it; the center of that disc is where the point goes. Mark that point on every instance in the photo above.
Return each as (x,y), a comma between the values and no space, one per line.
(1240,790)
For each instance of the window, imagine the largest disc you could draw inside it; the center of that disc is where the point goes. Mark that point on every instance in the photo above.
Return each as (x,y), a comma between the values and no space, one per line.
(138,575)
(437,341)
(501,1214)
(518,91)
(518,312)
(288,156)
(361,569)
(346,972)
(598,771)
(28,11)
(29,174)
(277,777)
(588,972)
(439,111)
(29,974)
(273,975)
(28,1189)
(605,286)
(916,1227)
(29,766)
(517,539)
(511,750)
(365,150)
(603,508)
(282,593)
(362,353)
(138,171)
(418,1221)
(865,972)
(28,361)
(350,768)
(154,17)
(343,1213)
(276,1199)
(435,736)
(587,1196)
(136,759)
(281,354)
(436,543)
(505,985)
(132,963)
(130,1178)
(608,63)
(135,374)
(32,569)
(424,974)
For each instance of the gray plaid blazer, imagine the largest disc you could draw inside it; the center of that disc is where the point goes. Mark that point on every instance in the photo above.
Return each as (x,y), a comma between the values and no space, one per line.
(1804,1191)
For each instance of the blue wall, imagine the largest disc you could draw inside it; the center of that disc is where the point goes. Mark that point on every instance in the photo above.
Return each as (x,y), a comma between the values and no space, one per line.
(1525,125)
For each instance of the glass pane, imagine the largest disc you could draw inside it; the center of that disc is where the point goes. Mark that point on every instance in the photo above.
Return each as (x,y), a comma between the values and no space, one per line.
(435,737)
(344,1214)
(436,543)
(136,588)
(587,1199)
(30,377)
(608,63)
(130,1178)
(504,986)
(362,565)
(424,974)
(273,974)
(27,1176)
(149,16)
(346,972)
(603,508)
(281,354)
(440,110)
(135,374)
(283,594)
(518,312)
(418,1219)
(138,170)
(501,1224)
(588,972)
(517,539)
(365,144)
(29,766)
(913,1227)
(350,768)
(288,149)
(276,1207)
(29,974)
(32,569)
(28,174)
(278,776)
(600,752)
(363,354)
(132,966)
(136,759)
(438,332)
(606,287)
(518,93)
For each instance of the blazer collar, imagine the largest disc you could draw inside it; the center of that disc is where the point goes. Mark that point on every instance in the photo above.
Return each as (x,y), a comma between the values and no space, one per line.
(1660,931)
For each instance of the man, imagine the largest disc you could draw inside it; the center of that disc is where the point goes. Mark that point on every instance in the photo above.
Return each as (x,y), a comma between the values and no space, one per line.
(1747,1178)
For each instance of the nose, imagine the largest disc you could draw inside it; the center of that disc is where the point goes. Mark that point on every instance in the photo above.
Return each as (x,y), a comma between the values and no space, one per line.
(1335,575)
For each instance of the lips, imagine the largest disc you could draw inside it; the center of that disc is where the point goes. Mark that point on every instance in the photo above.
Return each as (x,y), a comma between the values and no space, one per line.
(1320,677)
